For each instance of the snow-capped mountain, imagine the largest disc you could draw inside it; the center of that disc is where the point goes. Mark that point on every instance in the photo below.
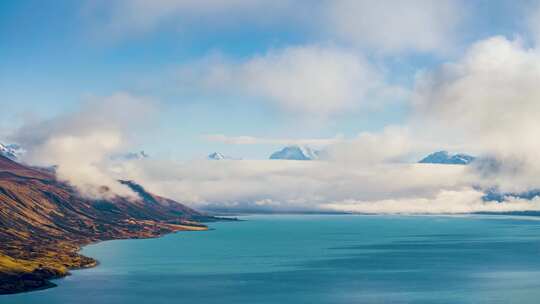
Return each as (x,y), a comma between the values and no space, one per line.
(296,153)
(130,156)
(218,156)
(443,157)
(11,151)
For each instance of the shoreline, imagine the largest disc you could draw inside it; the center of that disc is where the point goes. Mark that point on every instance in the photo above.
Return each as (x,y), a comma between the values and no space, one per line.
(46,279)
(42,278)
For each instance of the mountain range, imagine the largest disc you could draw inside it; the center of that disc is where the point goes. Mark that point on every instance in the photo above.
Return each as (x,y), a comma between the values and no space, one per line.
(44,222)
(293,152)
(11,151)
(218,156)
(443,157)
(130,156)
(296,153)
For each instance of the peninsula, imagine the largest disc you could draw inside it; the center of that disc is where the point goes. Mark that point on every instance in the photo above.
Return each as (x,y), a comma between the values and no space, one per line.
(44,222)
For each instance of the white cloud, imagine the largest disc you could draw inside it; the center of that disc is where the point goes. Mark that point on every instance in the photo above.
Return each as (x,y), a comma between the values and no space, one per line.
(291,185)
(393,144)
(396,25)
(461,201)
(489,100)
(385,25)
(533,22)
(320,186)
(120,18)
(311,80)
(80,143)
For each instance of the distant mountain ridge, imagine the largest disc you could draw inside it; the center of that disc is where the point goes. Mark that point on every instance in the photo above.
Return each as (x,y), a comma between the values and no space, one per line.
(11,151)
(296,153)
(443,157)
(131,156)
(218,156)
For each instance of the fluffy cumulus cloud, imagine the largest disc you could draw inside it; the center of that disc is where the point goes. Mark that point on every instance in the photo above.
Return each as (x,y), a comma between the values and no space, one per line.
(79,144)
(489,101)
(310,80)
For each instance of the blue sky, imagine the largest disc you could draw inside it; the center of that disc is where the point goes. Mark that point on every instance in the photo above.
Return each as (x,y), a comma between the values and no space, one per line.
(54,56)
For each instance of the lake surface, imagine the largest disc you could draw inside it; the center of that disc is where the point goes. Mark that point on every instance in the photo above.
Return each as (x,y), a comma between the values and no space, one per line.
(316,259)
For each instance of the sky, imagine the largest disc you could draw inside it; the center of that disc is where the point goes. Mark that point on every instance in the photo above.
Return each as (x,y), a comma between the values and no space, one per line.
(377,85)
(55,56)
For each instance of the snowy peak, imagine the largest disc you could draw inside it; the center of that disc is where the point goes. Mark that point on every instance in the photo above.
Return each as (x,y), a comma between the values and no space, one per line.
(443,157)
(218,156)
(296,153)
(131,156)
(11,151)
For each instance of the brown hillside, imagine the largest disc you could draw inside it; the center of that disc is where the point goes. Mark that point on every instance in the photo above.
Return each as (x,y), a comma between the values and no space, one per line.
(43,223)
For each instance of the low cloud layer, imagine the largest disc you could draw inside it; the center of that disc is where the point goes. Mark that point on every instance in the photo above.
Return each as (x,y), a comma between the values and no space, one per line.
(461,201)
(291,185)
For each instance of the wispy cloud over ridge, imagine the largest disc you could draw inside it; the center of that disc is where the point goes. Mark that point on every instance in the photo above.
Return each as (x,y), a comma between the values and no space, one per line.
(79,144)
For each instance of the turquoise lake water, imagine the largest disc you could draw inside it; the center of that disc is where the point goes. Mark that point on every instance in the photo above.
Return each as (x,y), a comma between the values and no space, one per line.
(316,259)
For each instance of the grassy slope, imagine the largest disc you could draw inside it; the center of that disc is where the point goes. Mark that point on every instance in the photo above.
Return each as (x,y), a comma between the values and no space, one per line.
(11,265)
(43,223)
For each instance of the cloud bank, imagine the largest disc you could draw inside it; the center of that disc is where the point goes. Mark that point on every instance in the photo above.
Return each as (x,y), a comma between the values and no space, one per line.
(462,201)
(488,101)
(291,185)
(80,144)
